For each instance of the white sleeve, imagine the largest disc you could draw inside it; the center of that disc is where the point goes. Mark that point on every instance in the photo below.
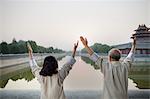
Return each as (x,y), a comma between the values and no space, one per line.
(98,61)
(130,57)
(33,64)
(128,60)
(64,71)
(35,69)
(94,57)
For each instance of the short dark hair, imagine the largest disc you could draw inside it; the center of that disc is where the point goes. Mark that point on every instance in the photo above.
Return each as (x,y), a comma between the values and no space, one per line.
(50,66)
(115,54)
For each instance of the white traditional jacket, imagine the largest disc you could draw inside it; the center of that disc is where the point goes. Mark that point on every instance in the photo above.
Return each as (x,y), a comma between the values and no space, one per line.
(52,86)
(115,76)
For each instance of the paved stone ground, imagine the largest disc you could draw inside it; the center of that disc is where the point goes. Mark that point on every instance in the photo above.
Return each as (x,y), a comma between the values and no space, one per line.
(142,94)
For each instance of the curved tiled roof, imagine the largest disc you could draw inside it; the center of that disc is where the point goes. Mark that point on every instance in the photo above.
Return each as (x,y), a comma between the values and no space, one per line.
(142,28)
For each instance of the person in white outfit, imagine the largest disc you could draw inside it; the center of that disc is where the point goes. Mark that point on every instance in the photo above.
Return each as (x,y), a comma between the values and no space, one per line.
(50,78)
(115,71)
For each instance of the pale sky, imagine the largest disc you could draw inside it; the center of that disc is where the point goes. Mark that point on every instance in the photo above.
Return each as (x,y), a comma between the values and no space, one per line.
(59,23)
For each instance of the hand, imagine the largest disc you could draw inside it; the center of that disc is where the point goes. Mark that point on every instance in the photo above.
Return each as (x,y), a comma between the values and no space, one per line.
(133,44)
(30,50)
(75,48)
(134,41)
(76,45)
(84,41)
(29,47)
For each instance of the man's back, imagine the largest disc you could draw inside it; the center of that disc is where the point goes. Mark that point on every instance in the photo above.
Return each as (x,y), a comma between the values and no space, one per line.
(115,81)
(115,72)
(115,77)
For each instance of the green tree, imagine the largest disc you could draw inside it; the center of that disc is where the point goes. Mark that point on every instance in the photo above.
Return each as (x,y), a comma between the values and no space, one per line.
(56,50)
(34,46)
(4,48)
(41,49)
(50,49)
(22,46)
(13,48)
(99,48)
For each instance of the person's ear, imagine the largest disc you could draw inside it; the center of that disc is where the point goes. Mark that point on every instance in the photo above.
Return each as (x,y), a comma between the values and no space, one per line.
(109,58)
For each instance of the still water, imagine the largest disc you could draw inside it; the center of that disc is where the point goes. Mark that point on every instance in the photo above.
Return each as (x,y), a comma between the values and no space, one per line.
(83,76)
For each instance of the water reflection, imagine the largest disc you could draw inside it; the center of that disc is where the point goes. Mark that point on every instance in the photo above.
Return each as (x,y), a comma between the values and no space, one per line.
(140,74)
(89,61)
(18,74)
(82,77)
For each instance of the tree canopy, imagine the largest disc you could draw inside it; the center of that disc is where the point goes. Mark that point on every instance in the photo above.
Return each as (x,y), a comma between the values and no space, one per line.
(99,48)
(19,47)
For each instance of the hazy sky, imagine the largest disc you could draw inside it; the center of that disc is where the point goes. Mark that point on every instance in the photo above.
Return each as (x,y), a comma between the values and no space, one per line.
(59,23)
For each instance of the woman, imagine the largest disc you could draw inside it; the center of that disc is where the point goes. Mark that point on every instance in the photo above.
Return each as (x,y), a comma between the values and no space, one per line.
(50,78)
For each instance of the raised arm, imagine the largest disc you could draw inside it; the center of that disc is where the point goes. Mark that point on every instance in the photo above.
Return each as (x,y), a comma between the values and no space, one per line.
(93,56)
(85,43)
(90,51)
(130,57)
(64,71)
(33,64)
(74,49)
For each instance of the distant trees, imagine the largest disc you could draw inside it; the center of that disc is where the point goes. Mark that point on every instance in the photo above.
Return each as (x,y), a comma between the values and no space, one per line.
(20,47)
(4,48)
(99,48)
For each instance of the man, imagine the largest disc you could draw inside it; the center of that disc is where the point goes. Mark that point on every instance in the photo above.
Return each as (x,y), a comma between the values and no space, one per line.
(115,71)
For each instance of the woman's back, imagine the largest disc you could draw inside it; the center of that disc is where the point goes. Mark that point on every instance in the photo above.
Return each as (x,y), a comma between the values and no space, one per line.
(49,77)
(51,88)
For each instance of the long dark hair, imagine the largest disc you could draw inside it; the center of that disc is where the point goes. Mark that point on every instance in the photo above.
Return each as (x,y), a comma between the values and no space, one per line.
(50,66)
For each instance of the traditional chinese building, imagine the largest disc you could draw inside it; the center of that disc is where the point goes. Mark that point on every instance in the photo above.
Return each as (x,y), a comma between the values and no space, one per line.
(142,35)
